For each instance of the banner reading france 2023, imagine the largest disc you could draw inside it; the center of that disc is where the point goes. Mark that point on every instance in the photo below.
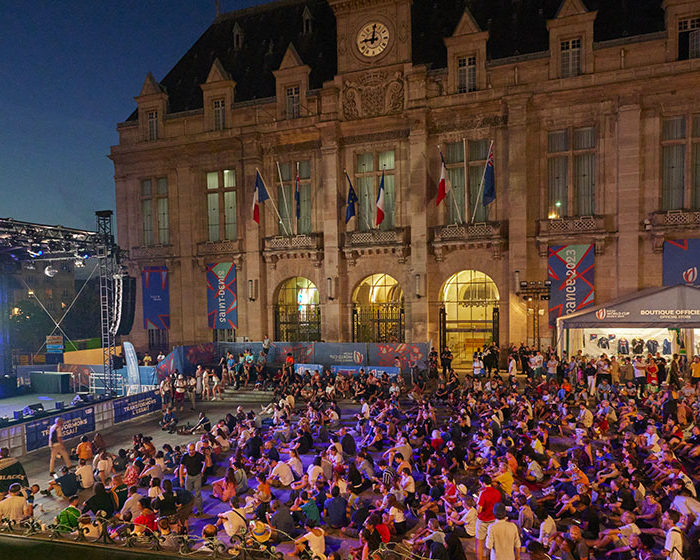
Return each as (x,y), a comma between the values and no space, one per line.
(570,268)
(222,299)
(681,261)
(156,298)
(75,423)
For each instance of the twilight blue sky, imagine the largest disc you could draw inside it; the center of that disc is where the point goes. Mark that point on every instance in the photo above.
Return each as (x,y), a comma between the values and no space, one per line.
(69,71)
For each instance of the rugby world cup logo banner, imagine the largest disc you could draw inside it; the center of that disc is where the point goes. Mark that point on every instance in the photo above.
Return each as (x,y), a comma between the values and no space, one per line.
(681,261)
(222,297)
(601,314)
(571,270)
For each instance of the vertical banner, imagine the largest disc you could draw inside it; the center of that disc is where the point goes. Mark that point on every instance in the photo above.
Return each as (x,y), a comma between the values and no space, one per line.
(133,376)
(222,299)
(156,298)
(570,268)
(681,261)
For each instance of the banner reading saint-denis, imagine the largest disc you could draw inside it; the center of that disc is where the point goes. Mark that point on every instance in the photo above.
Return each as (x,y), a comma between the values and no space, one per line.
(222,298)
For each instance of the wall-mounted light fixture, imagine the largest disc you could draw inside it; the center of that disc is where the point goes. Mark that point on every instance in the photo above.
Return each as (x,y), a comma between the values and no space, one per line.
(252,290)
(330,291)
(418,285)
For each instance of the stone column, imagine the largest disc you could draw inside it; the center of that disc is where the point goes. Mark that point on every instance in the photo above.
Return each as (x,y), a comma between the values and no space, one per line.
(513,311)
(627,203)
(415,196)
(332,198)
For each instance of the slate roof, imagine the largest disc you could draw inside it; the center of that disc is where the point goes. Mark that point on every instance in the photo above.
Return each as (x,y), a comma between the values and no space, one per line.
(516,27)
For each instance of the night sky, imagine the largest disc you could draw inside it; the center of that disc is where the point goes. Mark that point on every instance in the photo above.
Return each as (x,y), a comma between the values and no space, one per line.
(69,71)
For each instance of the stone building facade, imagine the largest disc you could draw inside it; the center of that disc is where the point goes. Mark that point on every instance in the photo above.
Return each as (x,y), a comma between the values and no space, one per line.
(590,106)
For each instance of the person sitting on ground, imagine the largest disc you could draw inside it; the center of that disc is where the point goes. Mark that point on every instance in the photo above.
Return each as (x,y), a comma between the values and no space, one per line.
(65,485)
(169,421)
(67,519)
(100,501)
(14,507)
(314,541)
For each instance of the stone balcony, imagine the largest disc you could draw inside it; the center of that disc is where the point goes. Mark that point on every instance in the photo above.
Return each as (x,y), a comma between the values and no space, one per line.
(302,246)
(560,231)
(671,222)
(220,251)
(470,236)
(377,242)
(151,252)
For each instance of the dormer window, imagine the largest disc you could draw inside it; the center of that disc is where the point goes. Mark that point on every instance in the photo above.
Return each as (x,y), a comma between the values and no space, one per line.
(237,37)
(570,51)
(307,21)
(219,107)
(466,74)
(293,104)
(689,38)
(152,126)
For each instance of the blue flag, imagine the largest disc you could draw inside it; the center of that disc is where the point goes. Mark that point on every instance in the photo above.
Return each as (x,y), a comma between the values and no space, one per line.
(489,180)
(352,200)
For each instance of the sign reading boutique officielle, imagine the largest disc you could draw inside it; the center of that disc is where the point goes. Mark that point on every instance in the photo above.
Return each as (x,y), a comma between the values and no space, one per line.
(128,408)
(75,423)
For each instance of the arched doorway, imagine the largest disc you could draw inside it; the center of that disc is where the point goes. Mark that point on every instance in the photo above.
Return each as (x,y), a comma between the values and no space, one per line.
(468,314)
(297,311)
(377,312)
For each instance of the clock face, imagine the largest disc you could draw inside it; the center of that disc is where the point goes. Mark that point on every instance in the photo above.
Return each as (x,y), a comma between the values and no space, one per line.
(372,39)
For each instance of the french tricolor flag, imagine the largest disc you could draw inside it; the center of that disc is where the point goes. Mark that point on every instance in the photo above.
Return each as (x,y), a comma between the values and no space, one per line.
(444,184)
(380,202)
(259,196)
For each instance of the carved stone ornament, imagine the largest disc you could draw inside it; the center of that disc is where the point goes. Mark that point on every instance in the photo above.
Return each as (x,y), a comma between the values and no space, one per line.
(373,94)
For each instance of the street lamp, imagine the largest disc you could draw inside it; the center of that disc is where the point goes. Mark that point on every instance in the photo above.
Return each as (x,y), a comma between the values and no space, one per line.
(532,293)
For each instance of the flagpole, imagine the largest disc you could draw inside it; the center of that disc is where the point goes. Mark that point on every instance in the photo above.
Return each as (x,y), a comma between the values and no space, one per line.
(273,204)
(454,198)
(284,196)
(297,203)
(481,186)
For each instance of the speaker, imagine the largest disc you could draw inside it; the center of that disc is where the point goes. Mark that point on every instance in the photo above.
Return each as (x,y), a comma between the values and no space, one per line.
(60,405)
(117,362)
(18,415)
(128,305)
(38,407)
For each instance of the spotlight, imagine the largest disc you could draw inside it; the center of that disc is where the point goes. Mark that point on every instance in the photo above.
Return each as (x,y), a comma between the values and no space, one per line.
(79,263)
(50,271)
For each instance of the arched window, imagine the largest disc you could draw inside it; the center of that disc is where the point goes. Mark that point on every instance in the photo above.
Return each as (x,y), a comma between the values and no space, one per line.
(378,313)
(297,311)
(469,314)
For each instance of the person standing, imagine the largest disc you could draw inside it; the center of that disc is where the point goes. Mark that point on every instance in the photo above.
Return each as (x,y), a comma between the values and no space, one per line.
(192,466)
(446,360)
(488,498)
(503,537)
(58,449)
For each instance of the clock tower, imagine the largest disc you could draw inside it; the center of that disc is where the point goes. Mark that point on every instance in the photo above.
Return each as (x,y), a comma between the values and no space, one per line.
(372,33)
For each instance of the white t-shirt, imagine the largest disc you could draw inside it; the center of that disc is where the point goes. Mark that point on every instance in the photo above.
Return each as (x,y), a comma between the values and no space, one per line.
(283,472)
(314,472)
(234,522)
(317,544)
(296,465)
(674,544)
(85,475)
(397,514)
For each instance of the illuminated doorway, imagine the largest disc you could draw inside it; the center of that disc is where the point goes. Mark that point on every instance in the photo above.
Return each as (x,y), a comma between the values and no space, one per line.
(377,313)
(297,311)
(469,314)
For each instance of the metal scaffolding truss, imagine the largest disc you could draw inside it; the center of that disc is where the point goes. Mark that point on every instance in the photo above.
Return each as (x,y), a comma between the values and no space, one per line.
(24,241)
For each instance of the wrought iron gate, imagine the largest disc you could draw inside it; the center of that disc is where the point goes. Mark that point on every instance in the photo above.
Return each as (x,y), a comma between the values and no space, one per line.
(385,322)
(298,323)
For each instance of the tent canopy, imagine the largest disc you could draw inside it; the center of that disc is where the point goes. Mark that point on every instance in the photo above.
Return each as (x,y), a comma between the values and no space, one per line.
(669,307)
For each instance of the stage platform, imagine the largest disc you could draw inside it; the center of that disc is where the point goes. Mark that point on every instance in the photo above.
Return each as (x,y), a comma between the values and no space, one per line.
(48,400)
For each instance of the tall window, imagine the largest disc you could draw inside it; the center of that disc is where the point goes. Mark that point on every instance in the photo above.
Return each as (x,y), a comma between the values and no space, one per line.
(571,172)
(154,211)
(221,205)
(466,173)
(219,114)
(287,202)
(368,173)
(680,143)
(570,57)
(152,126)
(466,74)
(224,335)
(689,38)
(292,102)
